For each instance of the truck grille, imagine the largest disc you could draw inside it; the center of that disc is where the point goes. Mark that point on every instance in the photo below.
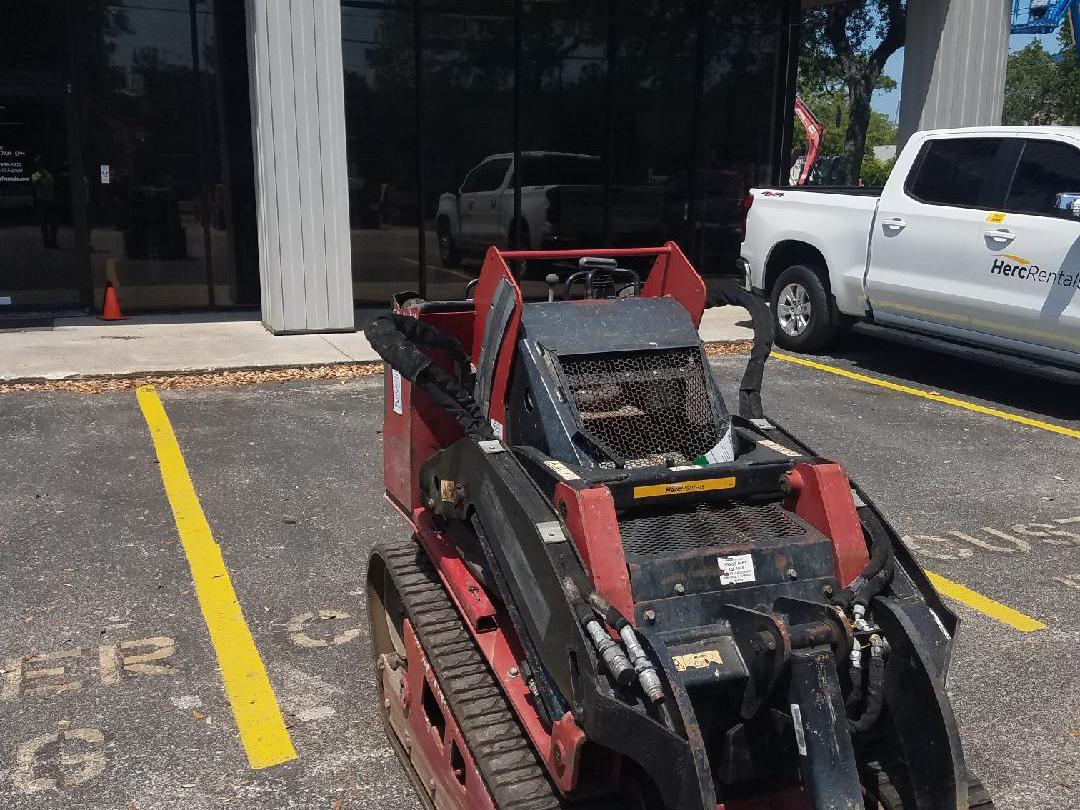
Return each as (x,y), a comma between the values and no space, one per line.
(708,526)
(649,407)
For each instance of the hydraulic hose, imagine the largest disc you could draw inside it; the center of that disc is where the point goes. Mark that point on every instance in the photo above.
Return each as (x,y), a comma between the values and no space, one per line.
(875,690)
(856,674)
(646,672)
(396,339)
(876,584)
(750,388)
(872,580)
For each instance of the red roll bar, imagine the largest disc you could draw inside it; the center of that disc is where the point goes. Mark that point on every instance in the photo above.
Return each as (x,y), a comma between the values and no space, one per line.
(516,255)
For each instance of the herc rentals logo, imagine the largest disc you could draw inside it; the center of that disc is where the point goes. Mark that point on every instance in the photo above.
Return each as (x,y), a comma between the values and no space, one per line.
(1008,264)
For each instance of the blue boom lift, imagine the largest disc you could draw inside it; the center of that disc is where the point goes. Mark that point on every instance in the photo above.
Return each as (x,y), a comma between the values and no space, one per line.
(1045,16)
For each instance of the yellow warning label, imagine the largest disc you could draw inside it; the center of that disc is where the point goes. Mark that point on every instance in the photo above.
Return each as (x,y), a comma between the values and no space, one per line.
(684,487)
(996,217)
(697,660)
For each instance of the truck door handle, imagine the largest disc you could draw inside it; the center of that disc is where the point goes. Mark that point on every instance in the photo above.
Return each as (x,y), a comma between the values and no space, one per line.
(492,203)
(1000,235)
(895,224)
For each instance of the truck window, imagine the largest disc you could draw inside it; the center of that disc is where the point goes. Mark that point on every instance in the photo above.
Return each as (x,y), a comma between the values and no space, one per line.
(488,176)
(1046,169)
(952,171)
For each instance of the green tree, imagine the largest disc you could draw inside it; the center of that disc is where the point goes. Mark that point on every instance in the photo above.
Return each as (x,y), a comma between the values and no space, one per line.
(844,50)
(875,172)
(833,110)
(1041,88)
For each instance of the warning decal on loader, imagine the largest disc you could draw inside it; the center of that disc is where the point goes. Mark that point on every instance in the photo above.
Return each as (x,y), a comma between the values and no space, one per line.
(779,448)
(697,660)
(737,568)
(395,377)
(683,487)
(561,470)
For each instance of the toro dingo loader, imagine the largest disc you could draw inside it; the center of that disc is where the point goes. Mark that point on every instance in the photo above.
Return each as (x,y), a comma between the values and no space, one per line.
(618,594)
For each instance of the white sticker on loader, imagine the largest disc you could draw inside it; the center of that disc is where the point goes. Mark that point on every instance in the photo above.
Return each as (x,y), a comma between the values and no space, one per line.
(724,451)
(800,732)
(561,470)
(395,379)
(736,569)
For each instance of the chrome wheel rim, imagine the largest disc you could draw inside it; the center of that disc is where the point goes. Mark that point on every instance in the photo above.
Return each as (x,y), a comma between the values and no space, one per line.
(793,309)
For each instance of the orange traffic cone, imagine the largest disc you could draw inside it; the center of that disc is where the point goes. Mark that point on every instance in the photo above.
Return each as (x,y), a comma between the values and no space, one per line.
(111,310)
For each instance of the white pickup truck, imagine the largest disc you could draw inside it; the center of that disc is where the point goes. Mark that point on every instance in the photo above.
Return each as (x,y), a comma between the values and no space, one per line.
(972,247)
(562,206)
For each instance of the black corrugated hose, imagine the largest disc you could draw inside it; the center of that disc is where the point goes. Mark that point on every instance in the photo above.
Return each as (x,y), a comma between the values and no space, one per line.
(396,339)
(764,333)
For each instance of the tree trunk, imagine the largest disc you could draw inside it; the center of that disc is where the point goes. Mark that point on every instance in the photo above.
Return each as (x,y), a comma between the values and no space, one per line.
(860,89)
(861,72)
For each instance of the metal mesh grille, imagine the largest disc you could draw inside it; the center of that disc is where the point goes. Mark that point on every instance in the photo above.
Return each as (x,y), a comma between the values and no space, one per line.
(706,526)
(646,406)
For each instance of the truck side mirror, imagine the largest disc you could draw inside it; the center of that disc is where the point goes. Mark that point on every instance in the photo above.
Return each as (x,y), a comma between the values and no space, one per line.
(1067,205)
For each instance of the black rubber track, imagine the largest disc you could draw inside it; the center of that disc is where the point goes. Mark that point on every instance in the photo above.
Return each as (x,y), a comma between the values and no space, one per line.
(979,796)
(507,761)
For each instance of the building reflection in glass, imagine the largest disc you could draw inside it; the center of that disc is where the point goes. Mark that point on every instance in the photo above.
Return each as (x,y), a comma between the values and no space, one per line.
(636,122)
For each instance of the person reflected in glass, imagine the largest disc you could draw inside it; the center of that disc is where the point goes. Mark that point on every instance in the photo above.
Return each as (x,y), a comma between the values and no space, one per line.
(44,185)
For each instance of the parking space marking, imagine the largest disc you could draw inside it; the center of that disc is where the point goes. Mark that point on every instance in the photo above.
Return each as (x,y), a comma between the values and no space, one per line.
(984,605)
(62,759)
(255,708)
(930,395)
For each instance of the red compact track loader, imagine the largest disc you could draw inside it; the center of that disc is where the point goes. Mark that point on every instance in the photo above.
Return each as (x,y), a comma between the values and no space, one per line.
(617,594)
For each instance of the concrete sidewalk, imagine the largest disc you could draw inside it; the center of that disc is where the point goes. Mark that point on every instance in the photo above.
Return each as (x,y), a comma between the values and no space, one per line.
(151,344)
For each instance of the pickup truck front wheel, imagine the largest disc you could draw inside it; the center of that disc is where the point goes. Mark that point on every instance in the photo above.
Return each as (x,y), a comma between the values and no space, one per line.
(448,250)
(802,310)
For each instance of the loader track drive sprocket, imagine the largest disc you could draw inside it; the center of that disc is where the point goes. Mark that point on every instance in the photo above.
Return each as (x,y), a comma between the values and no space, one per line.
(617,592)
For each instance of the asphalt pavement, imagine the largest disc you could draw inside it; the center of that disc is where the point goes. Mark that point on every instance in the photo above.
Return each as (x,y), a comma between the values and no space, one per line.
(111,691)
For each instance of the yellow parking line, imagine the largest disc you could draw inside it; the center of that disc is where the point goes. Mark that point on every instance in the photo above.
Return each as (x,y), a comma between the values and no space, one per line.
(985,605)
(934,397)
(258,717)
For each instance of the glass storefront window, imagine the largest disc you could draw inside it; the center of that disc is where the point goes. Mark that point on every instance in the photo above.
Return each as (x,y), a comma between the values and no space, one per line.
(744,106)
(467,131)
(654,55)
(117,107)
(141,111)
(633,122)
(38,260)
(378,52)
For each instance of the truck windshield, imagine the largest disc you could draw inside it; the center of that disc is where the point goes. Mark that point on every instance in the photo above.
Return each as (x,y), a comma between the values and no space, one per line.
(562,170)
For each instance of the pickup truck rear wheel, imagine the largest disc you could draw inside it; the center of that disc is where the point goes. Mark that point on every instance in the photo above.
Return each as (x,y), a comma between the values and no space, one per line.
(803,311)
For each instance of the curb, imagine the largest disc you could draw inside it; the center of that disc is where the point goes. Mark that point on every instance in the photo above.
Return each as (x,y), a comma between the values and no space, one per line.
(174,378)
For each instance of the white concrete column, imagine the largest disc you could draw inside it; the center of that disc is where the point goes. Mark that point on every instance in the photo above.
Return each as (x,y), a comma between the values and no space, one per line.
(954,64)
(298,134)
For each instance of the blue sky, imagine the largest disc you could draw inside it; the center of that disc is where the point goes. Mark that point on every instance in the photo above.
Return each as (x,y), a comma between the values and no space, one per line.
(888,102)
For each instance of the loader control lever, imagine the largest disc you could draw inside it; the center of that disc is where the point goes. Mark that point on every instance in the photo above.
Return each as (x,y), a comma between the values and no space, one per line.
(602,278)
